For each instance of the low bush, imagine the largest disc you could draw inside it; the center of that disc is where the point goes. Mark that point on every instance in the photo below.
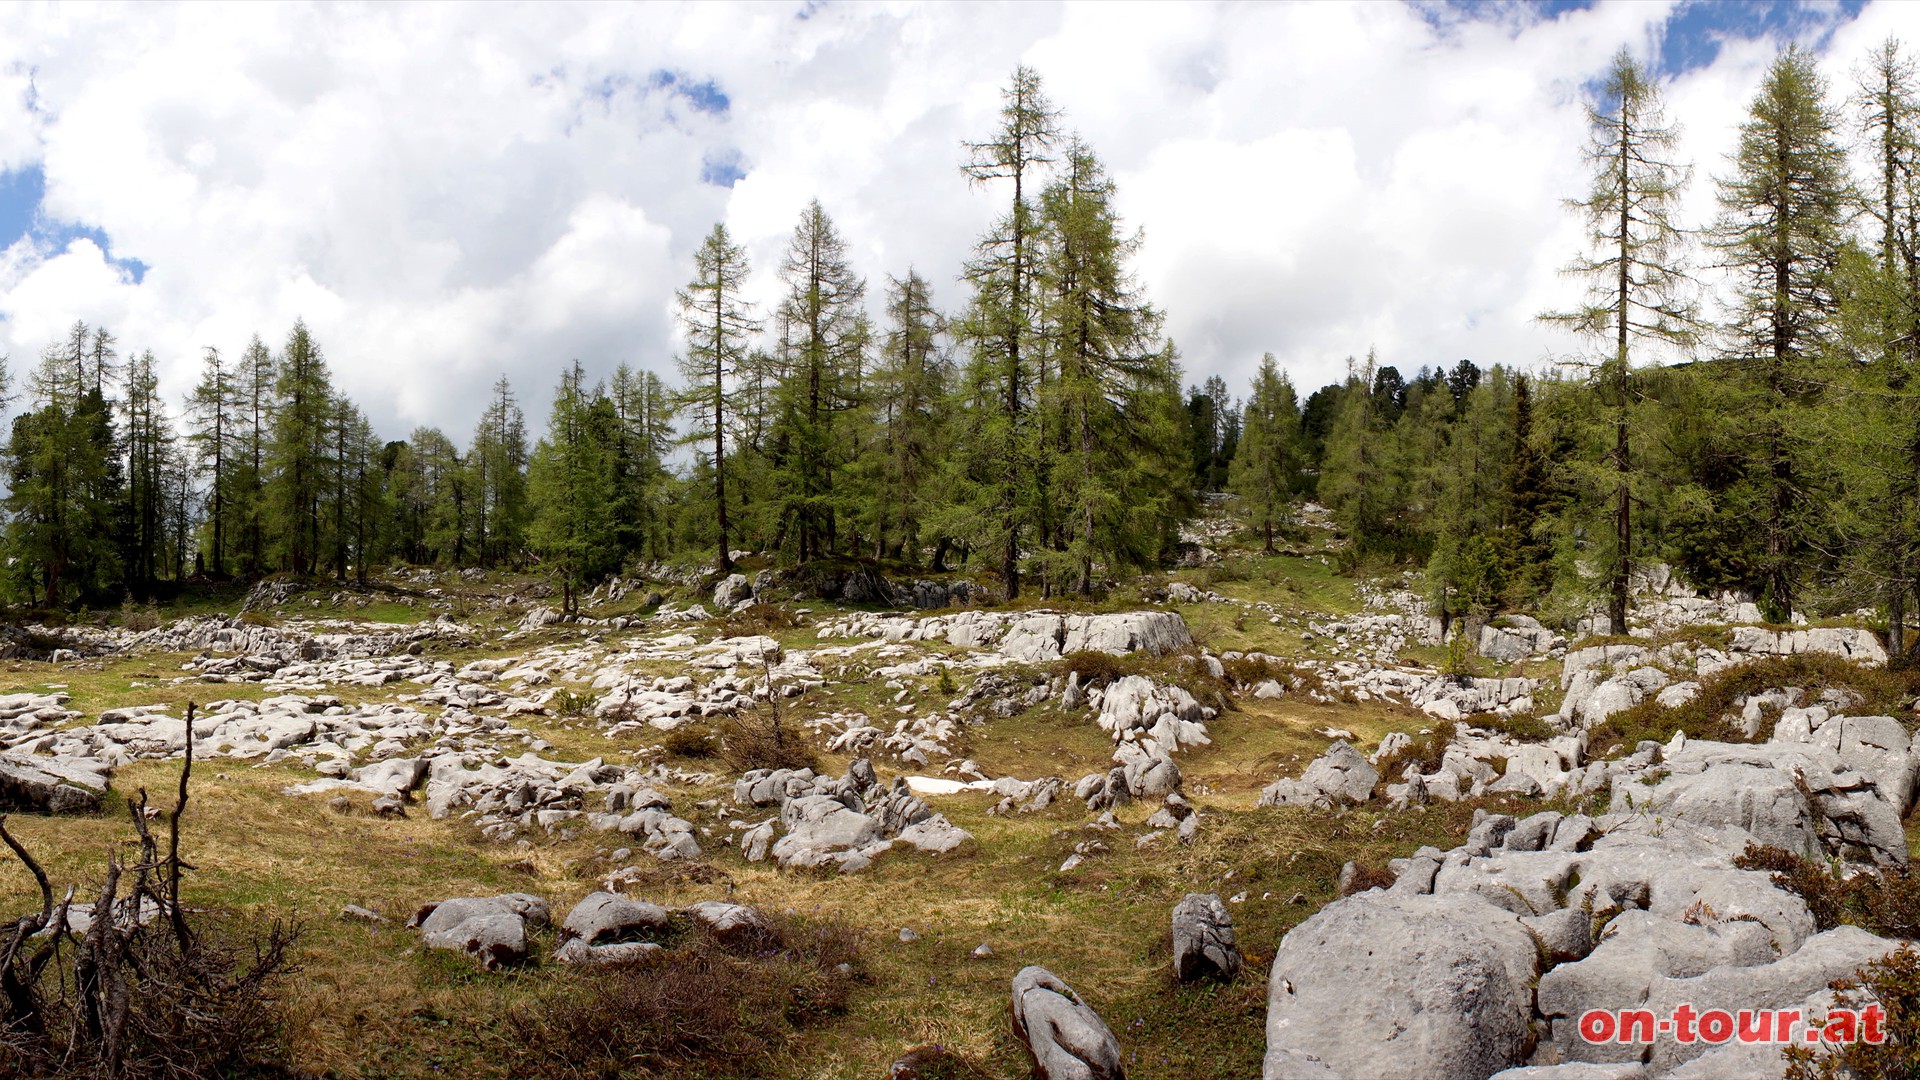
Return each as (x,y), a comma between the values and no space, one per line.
(699,1009)
(1251,671)
(762,739)
(1893,983)
(1523,726)
(1882,693)
(688,741)
(1425,753)
(757,619)
(1885,902)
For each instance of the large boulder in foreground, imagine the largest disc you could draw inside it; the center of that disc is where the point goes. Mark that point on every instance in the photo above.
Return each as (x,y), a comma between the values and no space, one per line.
(1391,986)
(1066,1039)
(51,785)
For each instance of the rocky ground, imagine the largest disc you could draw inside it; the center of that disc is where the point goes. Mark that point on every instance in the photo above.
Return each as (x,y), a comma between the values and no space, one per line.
(1110,819)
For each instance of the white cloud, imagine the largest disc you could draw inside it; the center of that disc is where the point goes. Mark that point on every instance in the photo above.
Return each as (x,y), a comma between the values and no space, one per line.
(447,193)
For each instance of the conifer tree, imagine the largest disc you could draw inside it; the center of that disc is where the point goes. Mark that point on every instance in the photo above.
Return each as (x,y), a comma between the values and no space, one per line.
(645,435)
(717,322)
(824,348)
(498,460)
(911,390)
(1355,482)
(64,481)
(1781,232)
(1879,427)
(211,411)
(150,456)
(253,383)
(1002,440)
(1637,284)
(1270,459)
(1101,338)
(300,452)
(570,484)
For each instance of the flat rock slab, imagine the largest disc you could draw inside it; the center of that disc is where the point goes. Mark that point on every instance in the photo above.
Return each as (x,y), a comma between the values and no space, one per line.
(50,785)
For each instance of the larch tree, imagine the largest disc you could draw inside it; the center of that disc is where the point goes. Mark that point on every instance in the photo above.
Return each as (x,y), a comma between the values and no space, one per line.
(1638,287)
(571,488)
(150,454)
(645,437)
(300,451)
(911,388)
(210,411)
(498,462)
(1102,341)
(1880,427)
(718,322)
(824,356)
(1781,231)
(253,384)
(1001,323)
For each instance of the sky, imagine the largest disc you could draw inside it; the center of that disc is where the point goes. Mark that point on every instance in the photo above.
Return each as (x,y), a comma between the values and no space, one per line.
(450,193)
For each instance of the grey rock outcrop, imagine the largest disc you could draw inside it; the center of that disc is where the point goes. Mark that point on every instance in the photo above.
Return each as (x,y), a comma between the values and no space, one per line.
(731,590)
(1386,985)
(1203,945)
(45,785)
(1063,1036)
(1340,776)
(732,925)
(604,918)
(492,930)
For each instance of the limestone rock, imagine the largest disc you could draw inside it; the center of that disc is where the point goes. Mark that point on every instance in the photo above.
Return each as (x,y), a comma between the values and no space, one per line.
(604,917)
(51,785)
(1064,1037)
(1386,985)
(1203,945)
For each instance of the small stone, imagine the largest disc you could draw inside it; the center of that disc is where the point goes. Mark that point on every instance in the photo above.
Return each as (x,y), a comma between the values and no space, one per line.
(982,951)
(907,936)
(356,913)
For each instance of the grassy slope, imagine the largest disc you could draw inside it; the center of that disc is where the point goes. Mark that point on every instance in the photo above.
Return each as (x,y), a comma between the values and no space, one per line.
(369,1002)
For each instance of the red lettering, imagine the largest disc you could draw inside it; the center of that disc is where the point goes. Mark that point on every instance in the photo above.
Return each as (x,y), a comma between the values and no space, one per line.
(1870,1017)
(1635,1021)
(1716,1026)
(1842,1027)
(1683,1015)
(1754,1024)
(1783,1022)
(1597,1026)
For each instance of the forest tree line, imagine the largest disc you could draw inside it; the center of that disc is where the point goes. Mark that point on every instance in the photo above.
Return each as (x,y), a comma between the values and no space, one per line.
(1040,434)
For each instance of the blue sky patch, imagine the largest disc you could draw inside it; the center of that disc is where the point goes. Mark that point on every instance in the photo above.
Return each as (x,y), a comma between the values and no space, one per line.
(1693,34)
(21,192)
(722,168)
(706,95)
(1697,28)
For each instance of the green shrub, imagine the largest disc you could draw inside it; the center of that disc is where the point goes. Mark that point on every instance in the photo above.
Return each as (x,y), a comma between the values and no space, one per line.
(1883,692)
(1885,902)
(757,619)
(1893,983)
(1425,752)
(1524,726)
(690,742)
